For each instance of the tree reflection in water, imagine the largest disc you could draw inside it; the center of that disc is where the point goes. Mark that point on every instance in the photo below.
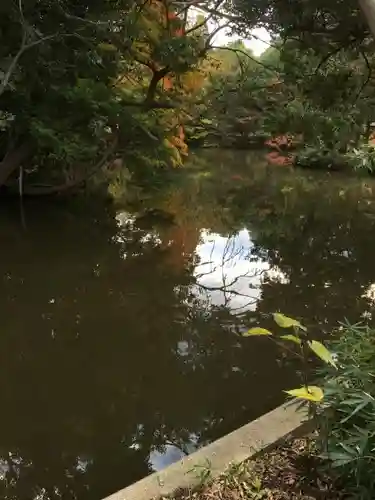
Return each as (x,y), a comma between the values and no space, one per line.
(119,346)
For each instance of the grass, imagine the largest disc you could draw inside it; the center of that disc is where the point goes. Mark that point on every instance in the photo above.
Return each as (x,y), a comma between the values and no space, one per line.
(289,472)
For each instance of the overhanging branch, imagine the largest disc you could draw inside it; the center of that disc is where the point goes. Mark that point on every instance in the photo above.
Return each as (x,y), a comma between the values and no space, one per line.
(156,77)
(50,190)
(12,67)
(369,74)
(254,59)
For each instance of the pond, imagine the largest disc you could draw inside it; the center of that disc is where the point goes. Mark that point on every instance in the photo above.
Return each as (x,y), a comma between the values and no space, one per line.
(120,343)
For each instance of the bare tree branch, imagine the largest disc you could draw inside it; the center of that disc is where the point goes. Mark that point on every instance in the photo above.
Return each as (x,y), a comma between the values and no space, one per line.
(199,25)
(144,62)
(213,34)
(83,19)
(20,8)
(24,47)
(205,21)
(369,74)
(331,54)
(156,77)
(49,190)
(231,49)
(143,5)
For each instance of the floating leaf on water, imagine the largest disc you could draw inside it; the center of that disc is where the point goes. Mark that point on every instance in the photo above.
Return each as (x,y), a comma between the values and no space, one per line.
(322,352)
(256,331)
(291,338)
(309,393)
(286,322)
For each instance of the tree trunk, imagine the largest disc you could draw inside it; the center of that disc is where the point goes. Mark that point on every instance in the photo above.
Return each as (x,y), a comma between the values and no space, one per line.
(368,9)
(12,161)
(156,77)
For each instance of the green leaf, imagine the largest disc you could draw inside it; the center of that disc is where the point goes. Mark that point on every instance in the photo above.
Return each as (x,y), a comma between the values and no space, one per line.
(107,47)
(256,331)
(291,338)
(338,458)
(322,352)
(286,322)
(355,411)
(309,393)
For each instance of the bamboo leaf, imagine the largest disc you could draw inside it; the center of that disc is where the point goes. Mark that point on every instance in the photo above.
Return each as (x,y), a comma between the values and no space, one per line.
(256,331)
(286,322)
(322,352)
(310,393)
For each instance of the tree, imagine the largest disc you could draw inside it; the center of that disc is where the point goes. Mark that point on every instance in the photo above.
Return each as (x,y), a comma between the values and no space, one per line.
(281,93)
(84,82)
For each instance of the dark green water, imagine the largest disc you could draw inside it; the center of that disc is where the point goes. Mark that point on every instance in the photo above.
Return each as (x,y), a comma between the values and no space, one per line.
(119,345)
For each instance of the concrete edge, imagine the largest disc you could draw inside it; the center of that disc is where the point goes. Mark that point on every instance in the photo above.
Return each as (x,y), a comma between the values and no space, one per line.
(242,444)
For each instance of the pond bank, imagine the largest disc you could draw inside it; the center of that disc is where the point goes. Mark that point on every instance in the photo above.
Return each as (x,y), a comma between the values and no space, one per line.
(213,460)
(291,471)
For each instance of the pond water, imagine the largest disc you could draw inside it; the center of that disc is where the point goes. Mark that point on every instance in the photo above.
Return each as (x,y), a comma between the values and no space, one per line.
(120,345)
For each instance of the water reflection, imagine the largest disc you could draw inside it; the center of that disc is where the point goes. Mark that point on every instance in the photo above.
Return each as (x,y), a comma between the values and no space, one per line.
(119,345)
(229,271)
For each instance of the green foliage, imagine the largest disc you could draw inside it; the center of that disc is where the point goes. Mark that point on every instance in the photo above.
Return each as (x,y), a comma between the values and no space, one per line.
(78,79)
(256,331)
(321,94)
(322,352)
(320,159)
(363,158)
(346,421)
(307,392)
(317,23)
(292,338)
(286,322)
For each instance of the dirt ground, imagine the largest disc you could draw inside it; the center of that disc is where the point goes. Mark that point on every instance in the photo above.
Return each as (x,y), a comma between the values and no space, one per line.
(291,471)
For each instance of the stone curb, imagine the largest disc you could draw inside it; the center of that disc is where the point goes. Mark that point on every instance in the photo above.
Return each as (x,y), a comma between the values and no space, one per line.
(240,445)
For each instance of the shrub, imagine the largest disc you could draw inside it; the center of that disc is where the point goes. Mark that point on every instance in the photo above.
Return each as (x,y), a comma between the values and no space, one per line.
(363,158)
(321,159)
(299,339)
(346,418)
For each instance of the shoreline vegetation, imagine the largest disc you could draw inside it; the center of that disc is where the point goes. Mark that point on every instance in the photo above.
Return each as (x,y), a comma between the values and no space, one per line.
(116,89)
(335,461)
(290,471)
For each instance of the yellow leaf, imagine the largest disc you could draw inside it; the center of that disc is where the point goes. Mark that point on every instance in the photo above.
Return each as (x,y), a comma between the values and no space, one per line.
(256,331)
(309,393)
(322,352)
(292,338)
(286,322)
